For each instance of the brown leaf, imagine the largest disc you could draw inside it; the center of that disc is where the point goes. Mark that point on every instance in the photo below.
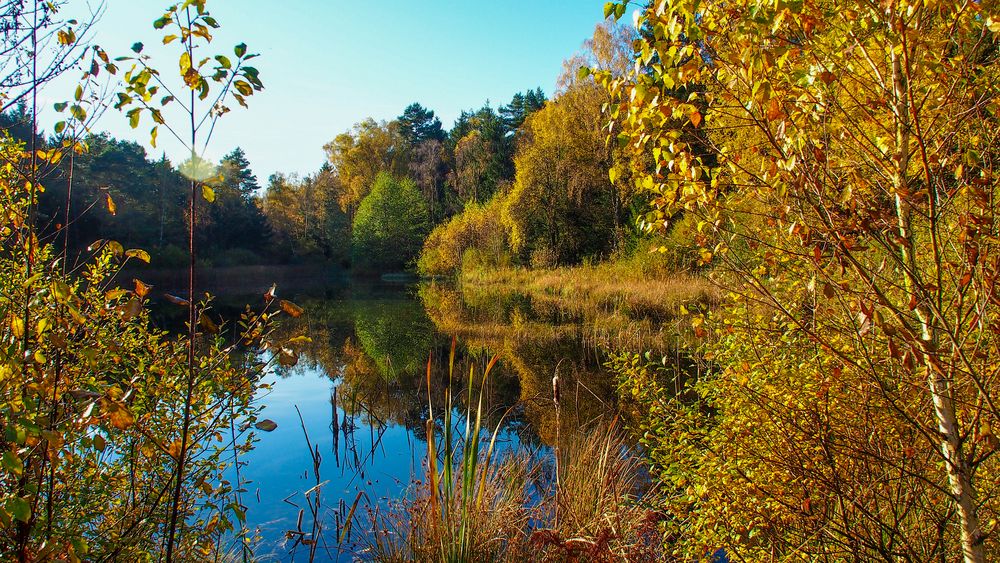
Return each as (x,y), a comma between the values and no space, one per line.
(695,118)
(206,322)
(774,110)
(118,414)
(269,294)
(291,308)
(828,290)
(287,358)
(131,309)
(267,425)
(176,300)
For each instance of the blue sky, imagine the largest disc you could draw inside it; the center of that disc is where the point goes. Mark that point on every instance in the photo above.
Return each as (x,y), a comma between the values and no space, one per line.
(328,64)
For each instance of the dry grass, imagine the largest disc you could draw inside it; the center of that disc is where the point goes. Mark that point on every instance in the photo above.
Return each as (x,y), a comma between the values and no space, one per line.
(602,509)
(612,286)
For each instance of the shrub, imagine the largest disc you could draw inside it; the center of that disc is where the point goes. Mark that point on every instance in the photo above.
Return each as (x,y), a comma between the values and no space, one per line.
(475,236)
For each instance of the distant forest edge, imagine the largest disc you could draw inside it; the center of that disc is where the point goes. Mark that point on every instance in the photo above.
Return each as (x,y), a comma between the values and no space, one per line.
(524,183)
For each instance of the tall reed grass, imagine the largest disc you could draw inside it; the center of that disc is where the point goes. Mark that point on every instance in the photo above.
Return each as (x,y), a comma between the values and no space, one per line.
(590,497)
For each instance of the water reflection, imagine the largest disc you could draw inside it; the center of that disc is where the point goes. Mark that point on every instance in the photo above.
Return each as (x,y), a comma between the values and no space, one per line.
(352,413)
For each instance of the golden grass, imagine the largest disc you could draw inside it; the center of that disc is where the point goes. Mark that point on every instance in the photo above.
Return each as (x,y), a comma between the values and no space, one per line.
(602,509)
(610,286)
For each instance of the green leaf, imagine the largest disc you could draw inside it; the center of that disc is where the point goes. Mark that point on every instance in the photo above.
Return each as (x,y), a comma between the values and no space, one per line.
(133,117)
(60,127)
(224,61)
(78,112)
(162,22)
(20,508)
(240,49)
(582,72)
(61,106)
(12,463)
(211,22)
(78,95)
(137,47)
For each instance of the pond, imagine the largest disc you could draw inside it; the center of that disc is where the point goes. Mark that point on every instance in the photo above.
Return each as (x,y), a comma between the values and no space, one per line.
(352,414)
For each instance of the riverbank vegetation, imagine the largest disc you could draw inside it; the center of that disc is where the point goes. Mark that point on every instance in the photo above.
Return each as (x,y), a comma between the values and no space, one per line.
(119,438)
(841,168)
(775,223)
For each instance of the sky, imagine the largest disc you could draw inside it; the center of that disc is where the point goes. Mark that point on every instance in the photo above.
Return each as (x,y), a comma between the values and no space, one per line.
(329,64)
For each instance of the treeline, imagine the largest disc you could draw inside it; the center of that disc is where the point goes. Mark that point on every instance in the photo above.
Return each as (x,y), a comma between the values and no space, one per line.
(387,183)
(524,183)
(110,189)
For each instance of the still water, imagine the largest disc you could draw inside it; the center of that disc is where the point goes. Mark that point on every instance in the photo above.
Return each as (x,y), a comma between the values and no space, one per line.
(352,414)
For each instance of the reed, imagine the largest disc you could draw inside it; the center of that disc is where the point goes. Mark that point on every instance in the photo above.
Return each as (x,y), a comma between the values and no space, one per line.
(474,505)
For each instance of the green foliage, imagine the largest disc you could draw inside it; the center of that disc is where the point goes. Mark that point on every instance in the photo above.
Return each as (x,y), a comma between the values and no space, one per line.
(418,124)
(235,219)
(390,225)
(395,335)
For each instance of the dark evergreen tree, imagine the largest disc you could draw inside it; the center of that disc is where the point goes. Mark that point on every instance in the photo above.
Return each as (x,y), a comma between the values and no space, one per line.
(520,107)
(419,124)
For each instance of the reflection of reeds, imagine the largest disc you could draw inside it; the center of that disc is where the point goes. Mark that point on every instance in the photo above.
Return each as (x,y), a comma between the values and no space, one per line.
(596,504)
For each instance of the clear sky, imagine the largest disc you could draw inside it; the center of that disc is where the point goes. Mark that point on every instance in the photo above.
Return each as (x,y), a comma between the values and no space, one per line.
(328,64)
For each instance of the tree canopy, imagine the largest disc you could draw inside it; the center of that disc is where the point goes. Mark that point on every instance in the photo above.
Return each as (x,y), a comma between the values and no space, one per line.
(390,225)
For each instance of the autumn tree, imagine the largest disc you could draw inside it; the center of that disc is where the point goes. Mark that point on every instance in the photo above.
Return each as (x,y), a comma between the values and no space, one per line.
(429,165)
(840,158)
(358,155)
(305,217)
(560,207)
(564,203)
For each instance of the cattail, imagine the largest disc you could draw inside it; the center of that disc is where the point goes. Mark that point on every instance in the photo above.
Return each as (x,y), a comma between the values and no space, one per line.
(555,389)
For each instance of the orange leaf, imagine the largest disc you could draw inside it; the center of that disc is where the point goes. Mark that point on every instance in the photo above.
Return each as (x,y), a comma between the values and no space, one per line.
(695,118)
(291,308)
(141,289)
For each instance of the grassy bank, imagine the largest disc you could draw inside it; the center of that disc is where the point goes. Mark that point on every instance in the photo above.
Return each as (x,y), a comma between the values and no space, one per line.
(626,287)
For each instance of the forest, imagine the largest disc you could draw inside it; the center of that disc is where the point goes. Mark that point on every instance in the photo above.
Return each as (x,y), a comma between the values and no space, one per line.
(799,196)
